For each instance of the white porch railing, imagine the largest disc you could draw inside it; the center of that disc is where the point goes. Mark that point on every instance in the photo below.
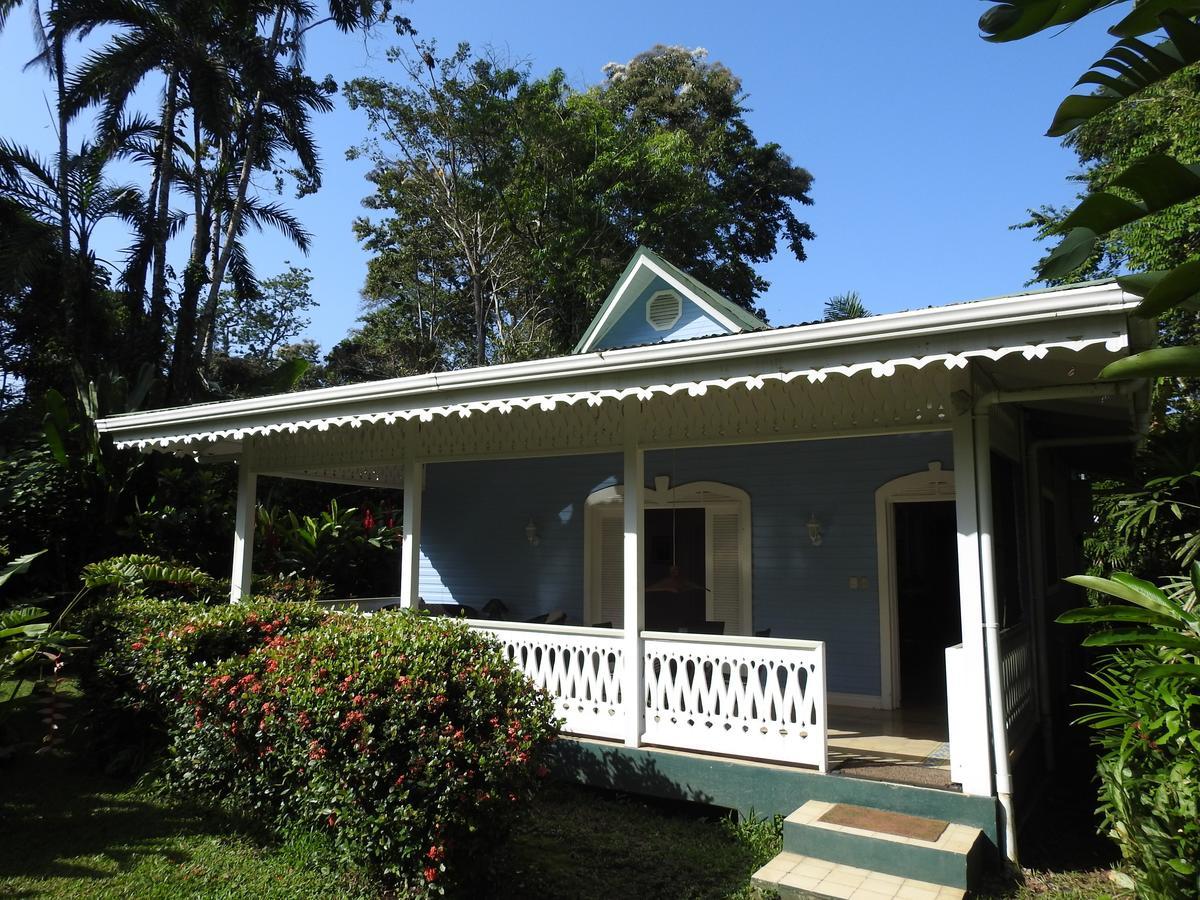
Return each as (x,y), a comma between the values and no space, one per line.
(579,667)
(1016,675)
(758,697)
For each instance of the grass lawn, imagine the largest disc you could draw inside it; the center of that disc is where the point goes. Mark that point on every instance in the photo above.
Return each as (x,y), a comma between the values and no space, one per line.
(71,832)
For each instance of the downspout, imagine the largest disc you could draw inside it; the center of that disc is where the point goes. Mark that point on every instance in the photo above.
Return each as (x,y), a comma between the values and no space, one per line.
(991,627)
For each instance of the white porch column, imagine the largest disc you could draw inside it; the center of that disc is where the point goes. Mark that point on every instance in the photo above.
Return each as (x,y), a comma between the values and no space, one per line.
(970,748)
(410,549)
(633,689)
(243,531)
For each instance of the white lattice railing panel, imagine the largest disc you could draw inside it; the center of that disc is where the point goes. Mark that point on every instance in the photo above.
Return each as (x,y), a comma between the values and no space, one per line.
(579,667)
(1016,671)
(761,698)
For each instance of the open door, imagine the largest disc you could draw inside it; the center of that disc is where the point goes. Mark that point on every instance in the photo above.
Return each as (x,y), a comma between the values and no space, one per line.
(927,606)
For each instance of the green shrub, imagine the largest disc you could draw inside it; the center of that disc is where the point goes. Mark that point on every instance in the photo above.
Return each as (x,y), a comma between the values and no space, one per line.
(1148,732)
(294,588)
(346,548)
(141,650)
(1146,715)
(145,575)
(406,738)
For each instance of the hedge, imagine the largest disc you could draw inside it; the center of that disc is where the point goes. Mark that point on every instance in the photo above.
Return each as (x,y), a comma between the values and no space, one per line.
(408,740)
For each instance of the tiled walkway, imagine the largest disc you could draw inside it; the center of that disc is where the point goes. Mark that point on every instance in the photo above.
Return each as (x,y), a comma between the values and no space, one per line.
(805,873)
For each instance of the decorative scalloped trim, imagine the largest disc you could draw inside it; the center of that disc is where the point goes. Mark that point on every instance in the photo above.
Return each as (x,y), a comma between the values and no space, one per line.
(548,402)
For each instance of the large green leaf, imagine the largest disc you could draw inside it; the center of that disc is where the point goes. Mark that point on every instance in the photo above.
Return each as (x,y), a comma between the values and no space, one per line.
(1163,362)
(1135,593)
(1071,253)
(1089,615)
(1170,670)
(18,565)
(1135,65)
(1142,638)
(1161,182)
(1018,19)
(1166,290)
(1144,17)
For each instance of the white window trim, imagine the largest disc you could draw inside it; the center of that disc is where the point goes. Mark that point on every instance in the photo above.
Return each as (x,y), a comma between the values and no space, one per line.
(932,485)
(711,496)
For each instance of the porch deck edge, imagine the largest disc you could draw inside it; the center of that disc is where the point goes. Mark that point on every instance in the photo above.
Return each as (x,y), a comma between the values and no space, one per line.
(763,788)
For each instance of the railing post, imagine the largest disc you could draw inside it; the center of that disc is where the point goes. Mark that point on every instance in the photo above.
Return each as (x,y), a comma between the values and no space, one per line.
(633,688)
(822,703)
(410,559)
(243,531)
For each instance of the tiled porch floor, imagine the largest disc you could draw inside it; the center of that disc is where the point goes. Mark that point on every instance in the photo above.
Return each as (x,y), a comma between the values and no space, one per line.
(913,737)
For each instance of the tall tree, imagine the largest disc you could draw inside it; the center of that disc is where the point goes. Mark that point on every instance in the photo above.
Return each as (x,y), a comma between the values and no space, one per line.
(513,203)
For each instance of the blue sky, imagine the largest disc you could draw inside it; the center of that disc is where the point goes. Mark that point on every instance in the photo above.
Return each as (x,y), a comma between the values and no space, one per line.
(925,141)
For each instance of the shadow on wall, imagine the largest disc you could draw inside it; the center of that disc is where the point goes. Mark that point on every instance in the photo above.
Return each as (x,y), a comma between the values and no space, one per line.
(597,766)
(475,542)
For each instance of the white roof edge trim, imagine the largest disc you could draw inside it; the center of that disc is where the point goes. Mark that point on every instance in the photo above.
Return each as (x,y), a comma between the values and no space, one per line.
(1059,304)
(548,402)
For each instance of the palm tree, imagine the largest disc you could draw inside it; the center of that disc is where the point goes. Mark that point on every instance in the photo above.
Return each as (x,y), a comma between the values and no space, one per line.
(845,306)
(273,108)
(191,45)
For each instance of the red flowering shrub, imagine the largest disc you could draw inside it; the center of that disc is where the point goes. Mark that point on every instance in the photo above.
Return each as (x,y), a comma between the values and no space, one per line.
(140,651)
(403,737)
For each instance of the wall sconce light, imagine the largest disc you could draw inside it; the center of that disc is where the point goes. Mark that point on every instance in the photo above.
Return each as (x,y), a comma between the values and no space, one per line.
(814,531)
(531,533)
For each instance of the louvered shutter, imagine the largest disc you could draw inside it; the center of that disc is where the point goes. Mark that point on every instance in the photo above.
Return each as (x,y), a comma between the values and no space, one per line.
(611,570)
(727,570)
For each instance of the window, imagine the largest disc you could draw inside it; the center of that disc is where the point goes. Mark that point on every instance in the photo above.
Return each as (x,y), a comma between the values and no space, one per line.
(715,516)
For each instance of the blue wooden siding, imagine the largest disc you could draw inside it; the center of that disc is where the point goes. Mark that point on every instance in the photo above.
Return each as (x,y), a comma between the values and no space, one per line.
(473,544)
(474,547)
(631,328)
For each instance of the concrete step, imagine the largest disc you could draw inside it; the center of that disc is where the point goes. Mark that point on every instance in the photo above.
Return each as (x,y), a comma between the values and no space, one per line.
(794,875)
(904,846)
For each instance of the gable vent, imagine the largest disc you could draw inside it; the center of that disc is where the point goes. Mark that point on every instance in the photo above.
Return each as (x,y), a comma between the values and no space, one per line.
(663,310)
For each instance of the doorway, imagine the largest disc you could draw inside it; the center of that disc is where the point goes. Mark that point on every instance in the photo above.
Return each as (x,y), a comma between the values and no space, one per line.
(927,604)
(675,569)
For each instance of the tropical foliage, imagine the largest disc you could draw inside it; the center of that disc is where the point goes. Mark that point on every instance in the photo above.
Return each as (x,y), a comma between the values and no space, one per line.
(1153,184)
(1146,713)
(1140,210)
(345,549)
(27,637)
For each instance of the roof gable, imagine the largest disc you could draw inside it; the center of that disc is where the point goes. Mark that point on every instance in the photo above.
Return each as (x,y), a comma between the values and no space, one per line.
(625,318)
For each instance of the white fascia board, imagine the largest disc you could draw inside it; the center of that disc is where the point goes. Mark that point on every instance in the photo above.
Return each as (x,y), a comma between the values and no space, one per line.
(1058,315)
(615,308)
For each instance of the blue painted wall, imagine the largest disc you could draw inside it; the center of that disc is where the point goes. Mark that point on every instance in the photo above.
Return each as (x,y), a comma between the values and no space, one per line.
(632,329)
(474,547)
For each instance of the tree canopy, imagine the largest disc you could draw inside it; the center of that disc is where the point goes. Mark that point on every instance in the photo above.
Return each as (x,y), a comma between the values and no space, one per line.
(508,204)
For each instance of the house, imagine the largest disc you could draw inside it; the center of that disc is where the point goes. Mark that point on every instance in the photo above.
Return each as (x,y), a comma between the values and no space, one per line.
(781,553)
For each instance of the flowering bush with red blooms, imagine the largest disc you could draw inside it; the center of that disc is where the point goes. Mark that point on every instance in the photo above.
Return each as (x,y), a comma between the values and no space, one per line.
(141,652)
(405,738)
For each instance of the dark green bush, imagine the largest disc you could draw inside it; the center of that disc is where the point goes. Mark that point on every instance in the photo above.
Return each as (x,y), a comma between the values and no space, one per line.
(1146,715)
(1148,732)
(406,738)
(140,650)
